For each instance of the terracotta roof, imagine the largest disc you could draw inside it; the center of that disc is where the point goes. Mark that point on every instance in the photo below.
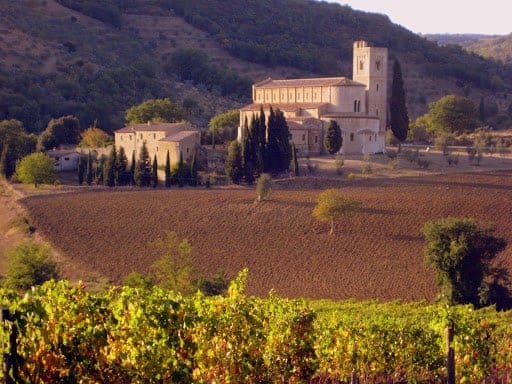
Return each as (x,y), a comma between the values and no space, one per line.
(283,107)
(168,128)
(313,82)
(179,136)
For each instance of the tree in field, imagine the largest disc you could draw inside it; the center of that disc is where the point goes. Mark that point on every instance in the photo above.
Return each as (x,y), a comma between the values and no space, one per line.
(15,143)
(174,269)
(399,118)
(143,170)
(157,110)
(295,162)
(89,172)
(223,127)
(461,252)
(333,139)
(233,166)
(168,178)
(137,280)
(452,114)
(154,173)
(36,168)
(29,265)
(94,137)
(64,130)
(263,186)
(332,205)
(109,171)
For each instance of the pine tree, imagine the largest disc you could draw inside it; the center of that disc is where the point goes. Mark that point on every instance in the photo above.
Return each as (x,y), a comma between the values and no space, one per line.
(399,119)
(89,172)
(154,174)
(122,177)
(333,139)
(109,171)
(295,162)
(234,162)
(168,170)
(143,171)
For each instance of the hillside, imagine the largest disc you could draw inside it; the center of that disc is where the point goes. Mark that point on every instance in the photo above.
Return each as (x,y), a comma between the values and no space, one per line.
(94,59)
(493,47)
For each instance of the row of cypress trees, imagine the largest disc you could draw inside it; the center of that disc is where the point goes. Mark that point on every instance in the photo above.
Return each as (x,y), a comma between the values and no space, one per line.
(114,171)
(264,148)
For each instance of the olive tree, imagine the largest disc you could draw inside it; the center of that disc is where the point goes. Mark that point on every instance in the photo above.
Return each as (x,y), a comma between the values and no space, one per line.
(461,251)
(332,205)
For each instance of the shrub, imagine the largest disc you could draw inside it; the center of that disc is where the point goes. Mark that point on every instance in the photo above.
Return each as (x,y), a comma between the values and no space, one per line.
(29,265)
(263,186)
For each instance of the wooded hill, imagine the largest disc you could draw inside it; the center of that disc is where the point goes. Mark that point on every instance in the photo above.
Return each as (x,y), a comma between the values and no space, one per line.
(493,47)
(95,58)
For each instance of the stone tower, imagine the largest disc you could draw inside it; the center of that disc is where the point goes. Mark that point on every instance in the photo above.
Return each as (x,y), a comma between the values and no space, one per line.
(370,67)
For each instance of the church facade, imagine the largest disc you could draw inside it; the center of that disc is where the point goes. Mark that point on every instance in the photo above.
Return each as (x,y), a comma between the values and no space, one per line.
(358,105)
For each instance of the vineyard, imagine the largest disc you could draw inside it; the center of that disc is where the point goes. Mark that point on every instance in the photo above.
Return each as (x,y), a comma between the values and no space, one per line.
(67,334)
(375,254)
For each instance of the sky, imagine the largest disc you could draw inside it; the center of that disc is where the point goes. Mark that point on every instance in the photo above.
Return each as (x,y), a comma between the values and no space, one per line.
(488,17)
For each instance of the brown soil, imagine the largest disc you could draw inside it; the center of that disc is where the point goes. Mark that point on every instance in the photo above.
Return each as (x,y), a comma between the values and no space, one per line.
(376,254)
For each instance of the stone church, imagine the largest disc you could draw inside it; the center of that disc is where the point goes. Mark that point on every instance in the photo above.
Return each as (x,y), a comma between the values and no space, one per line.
(358,105)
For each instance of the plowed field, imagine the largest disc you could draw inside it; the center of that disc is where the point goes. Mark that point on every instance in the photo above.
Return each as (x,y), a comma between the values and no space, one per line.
(378,253)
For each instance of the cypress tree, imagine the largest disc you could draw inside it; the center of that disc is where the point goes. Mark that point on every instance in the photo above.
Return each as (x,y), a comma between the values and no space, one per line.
(234,162)
(143,171)
(81,169)
(283,142)
(257,132)
(193,170)
(154,174)
(121,163)
(399,119)
(333,139)
(3,160)
(481,109)
(100,165)
(132,169)
(180,174)
(248,155)
(109,172)
(89,171)
(272,153)
(295,162)
(167,170)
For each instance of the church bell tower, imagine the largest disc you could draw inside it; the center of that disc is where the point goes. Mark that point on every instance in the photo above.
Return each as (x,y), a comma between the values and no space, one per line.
(370,67)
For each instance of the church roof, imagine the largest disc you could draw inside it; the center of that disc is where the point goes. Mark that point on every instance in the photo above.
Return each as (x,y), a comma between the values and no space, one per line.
(292,107)
(312,82)
(168,128)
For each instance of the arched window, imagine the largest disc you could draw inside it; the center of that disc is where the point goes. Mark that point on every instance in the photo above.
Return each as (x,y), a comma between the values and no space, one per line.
(361,65)
(355,105)
(377,65)
(351,136)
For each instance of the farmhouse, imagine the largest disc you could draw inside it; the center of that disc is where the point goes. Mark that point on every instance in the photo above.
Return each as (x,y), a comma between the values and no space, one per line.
(159,138)
(358,105)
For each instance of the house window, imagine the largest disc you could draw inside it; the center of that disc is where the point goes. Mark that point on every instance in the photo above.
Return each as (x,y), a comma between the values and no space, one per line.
(187,150)
(377,112)
(154,136)
(316,139)
(141,136)
(157,148)
(122,137)
(377,65)
(361,65)
(351,136)
(66,159)
(357,105)
(130,136)
(370,138)
(377,87)
(303,137)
